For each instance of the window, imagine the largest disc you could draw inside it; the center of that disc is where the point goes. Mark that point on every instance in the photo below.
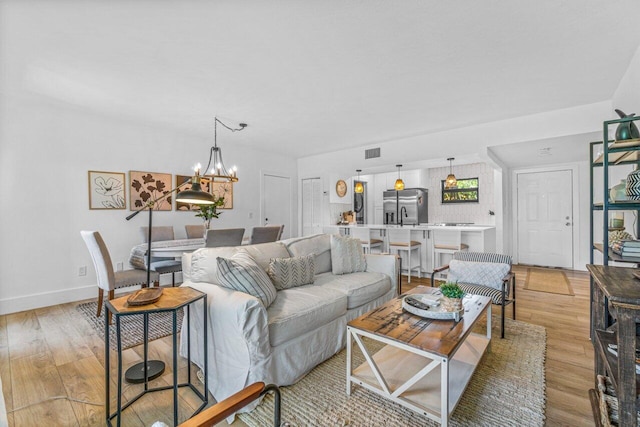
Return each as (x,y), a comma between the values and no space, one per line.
(466,191)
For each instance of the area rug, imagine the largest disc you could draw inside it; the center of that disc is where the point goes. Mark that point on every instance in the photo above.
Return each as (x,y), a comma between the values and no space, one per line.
(507,389)
(546,280)
(160,325)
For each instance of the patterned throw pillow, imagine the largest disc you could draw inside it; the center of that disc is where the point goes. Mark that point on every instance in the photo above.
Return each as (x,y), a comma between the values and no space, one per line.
(288,273)
(346,255)
(478,273)
(242,273)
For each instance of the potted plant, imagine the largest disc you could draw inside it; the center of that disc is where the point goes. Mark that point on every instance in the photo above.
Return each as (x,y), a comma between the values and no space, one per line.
(451,297)
(208,212)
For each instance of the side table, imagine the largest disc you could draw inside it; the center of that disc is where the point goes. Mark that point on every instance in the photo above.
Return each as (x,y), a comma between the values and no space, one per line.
(172,300)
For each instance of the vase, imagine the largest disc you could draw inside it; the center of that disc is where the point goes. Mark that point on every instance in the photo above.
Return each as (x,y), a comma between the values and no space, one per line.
(627,130)
(207,223)
(618,191)
(633,185)
(451,304)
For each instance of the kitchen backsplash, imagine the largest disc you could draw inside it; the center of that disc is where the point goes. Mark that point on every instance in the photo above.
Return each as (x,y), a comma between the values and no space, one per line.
(477,213)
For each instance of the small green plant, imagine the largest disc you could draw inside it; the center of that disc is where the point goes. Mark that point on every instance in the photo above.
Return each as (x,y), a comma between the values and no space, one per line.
(207,212)
(451,290)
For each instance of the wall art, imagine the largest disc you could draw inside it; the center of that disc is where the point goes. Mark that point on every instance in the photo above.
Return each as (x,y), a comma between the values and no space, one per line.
(223,189)
(186,207)
(106,190)
(148,187)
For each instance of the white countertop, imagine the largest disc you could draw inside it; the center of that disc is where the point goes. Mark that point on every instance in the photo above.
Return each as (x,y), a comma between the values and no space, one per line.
(471,227)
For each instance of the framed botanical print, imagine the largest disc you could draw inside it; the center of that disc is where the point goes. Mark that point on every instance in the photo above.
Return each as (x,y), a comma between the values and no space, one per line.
(106,190)
(186,207)
(147,187)
(223,189)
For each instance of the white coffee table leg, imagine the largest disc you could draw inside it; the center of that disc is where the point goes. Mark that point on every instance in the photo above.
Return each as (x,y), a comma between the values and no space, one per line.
(348,361)
(444,390)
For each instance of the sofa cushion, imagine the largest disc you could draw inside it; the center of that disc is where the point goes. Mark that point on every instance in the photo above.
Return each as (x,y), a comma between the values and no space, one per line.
(360,288)
(291,272)
(242,273)
(347,255)
(318,244)
(299,310)
(478,273)
(263,252)
(204,266)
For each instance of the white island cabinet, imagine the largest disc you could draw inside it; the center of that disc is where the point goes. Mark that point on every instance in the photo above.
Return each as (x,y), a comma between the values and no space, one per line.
(479,238)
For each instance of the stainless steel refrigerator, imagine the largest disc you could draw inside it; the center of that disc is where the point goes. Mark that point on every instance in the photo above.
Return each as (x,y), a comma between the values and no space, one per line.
(408,206)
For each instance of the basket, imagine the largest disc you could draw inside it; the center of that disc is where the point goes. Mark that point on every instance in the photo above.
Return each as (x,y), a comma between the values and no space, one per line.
(609,403)
(451,304)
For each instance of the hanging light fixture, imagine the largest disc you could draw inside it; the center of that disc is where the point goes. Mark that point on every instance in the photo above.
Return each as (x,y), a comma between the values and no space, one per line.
(451,181)
(219,173)
(399,185)
(358,188)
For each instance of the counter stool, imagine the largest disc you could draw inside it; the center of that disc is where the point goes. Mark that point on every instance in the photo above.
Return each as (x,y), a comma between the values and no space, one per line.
(447,242)
(400,240)
(364,235)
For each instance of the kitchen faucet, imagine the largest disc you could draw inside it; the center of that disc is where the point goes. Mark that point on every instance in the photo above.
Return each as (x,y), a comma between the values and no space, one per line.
(401,216)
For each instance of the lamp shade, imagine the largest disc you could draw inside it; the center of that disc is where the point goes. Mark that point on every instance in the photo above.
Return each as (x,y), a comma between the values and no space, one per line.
(358,188)
(195,195)
(451,181)
(399,185)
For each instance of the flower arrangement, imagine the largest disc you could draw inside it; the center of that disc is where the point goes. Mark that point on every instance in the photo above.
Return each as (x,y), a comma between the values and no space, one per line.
(208,212)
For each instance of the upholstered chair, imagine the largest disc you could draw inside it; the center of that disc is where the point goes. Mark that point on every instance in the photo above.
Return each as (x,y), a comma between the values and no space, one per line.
(109,280)
(269,233)
(159,264)
(483,274)
(224,237)
(194,231)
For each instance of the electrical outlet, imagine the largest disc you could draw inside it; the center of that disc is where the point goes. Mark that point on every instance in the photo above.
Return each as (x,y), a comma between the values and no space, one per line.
(82,271)
(119,266)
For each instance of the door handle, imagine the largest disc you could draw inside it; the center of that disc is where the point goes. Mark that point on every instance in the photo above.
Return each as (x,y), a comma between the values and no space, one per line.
(568,224)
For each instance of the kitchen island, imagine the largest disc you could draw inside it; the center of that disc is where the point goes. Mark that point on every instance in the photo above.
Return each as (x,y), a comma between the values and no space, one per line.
(479,238)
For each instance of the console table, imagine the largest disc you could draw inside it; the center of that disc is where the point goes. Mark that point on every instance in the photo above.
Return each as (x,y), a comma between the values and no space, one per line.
(172,300)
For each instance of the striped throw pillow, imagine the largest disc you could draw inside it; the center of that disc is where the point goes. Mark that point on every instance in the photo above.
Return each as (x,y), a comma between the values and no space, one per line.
(243,274)
(288,273)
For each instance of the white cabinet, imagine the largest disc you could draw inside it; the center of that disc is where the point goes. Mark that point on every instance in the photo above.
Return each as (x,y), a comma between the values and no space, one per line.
(411,178)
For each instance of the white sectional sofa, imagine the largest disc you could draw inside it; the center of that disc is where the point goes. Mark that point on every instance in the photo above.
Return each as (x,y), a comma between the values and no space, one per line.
(304,326)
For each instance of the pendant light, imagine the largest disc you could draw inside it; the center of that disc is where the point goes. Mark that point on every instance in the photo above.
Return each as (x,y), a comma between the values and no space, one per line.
(399,185)
(451,181)
(219,172)
(358,188)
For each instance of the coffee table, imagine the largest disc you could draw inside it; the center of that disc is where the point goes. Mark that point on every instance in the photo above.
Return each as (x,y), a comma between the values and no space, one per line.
(426,364)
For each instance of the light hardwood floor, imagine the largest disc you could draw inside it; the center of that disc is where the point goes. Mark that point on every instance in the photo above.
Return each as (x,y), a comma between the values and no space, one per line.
(51,363)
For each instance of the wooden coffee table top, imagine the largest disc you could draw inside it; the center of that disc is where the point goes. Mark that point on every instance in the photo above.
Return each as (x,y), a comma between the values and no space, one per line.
(435,336)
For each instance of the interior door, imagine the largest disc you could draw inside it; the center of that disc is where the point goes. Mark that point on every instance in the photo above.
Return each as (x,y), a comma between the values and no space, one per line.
(311,206)
(544,222)
(276,202)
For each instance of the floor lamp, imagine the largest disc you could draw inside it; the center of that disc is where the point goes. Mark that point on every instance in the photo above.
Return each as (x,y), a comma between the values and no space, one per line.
(152,369)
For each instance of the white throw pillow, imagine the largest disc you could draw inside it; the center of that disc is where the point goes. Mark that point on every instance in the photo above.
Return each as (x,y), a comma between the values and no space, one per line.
(242,273)
(478,273)
(346,255)
(288,273)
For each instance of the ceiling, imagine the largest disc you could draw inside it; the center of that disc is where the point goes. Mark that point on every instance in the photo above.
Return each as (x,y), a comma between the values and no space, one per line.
(317,76)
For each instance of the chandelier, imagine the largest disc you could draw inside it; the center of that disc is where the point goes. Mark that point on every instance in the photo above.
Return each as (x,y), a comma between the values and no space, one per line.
(451,181)
(218,171)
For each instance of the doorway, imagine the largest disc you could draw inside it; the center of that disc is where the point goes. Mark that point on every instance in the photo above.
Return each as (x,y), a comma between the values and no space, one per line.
(545,216)
(276,201)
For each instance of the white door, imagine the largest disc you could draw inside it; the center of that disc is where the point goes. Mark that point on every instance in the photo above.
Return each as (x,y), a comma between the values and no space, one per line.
(276,202)
(311,206)
(545,218)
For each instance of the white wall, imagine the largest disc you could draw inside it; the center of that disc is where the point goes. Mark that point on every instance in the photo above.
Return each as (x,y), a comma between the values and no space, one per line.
(627,96)
(45,153)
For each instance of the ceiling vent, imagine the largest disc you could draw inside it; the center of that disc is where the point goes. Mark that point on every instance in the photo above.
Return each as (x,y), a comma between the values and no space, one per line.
(371,153)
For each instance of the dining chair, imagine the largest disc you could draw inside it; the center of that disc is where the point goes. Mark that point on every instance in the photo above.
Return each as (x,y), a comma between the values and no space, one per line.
(109,280)
(364,235)
(194,231)
(223,237)
(162,265)
(485,274)
(400,241)
(269,233)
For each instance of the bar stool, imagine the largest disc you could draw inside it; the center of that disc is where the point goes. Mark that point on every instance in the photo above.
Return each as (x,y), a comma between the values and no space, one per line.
(400,240)
(364,235)
(447,242)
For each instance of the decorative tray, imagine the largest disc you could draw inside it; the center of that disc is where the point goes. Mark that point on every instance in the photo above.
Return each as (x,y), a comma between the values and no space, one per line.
(428,305)
(145,296)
